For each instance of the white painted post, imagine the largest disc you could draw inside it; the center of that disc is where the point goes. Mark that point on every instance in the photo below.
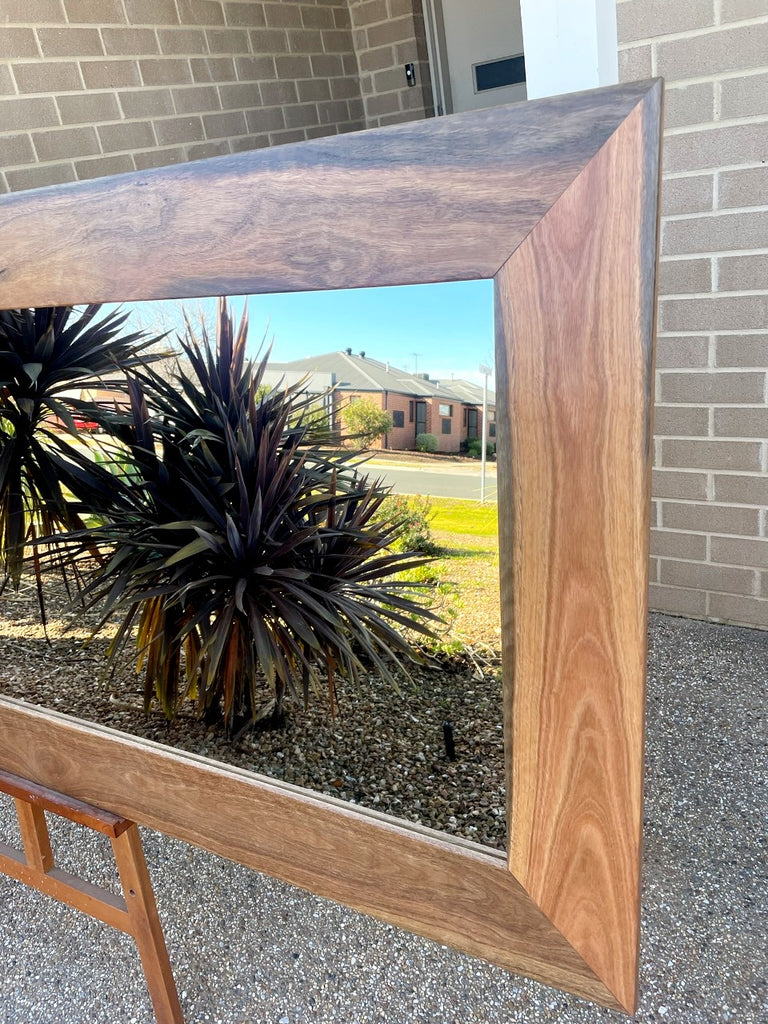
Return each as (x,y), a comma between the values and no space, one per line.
(569,45)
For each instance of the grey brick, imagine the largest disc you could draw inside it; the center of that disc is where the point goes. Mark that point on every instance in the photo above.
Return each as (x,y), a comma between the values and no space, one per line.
(205,150)
(742,422)
(746,187)
(159,158)
(196,99)
(100,166)
(744,97)
(705,517)
(679,544)
(318,17)
(726,455)
(700,576)
(130,42)
(740,551)
(65,143)
(690,194)
(677,600)
(282,15)
(31,12)
(229,41)
(278,92)
(249,15)
(269,40)
(88,108)
(641,19)
(7,85)
(741,10)
(153,12)
(716,313)
(70,42)
(255,69)
(40,176)
(141,103)
(110,74)
(718,233)
(713,52)
(16,43)
(743,610)
(302,115)
(225,125)
(714,147)
(680,276)
(635,63)
(670,483)
(94,12)
(742,489)
(719,388)
(48,76)
(178,130)
(165,71)
(213,69)
(314,89)
(17,149)
(201,12)
(742,350)
(681,352)
(335,41)
(240,95)
(742,273)
(680,421)
(326,65)
(126,135)
(689,104)
(182,40)
(265,119)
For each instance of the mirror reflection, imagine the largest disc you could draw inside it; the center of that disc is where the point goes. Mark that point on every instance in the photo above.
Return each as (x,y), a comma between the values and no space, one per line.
(178,606)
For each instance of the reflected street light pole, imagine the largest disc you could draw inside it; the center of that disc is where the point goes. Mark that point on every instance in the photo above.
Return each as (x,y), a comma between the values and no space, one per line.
(486,372)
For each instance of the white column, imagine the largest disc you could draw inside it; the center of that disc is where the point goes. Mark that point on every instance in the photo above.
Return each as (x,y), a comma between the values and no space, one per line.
(569,45)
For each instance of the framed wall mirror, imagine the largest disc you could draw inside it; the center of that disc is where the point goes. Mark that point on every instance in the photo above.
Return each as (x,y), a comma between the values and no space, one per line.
(556,202)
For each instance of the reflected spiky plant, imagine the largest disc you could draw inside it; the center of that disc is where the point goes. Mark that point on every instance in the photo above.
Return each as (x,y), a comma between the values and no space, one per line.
(247,556)
(45,473)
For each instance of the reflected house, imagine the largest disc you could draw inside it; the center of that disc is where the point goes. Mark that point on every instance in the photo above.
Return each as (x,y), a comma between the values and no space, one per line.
(451,410)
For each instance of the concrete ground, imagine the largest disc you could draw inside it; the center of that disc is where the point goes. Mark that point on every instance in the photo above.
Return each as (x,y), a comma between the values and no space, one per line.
(246,948)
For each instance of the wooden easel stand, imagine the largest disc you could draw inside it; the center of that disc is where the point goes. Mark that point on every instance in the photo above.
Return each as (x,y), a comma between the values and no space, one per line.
(134,913)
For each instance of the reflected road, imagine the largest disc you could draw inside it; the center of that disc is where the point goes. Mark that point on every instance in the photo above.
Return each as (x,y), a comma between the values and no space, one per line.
(454,481)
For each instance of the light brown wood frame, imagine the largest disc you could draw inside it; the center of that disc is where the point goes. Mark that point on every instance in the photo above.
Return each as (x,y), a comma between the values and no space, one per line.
(557,201)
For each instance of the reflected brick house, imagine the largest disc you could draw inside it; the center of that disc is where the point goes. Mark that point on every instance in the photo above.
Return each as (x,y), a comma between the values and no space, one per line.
(451,410)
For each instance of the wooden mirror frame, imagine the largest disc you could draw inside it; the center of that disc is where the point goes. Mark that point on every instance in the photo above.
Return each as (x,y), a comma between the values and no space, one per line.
(557,201)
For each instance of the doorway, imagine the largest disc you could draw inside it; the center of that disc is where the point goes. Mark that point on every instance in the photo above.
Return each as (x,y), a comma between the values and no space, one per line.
(475,53)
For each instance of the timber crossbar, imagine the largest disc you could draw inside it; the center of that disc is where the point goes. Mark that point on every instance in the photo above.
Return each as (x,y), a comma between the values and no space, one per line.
(557,201)
(134,913)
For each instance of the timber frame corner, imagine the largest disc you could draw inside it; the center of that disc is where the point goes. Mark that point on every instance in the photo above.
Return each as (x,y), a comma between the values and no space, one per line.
(555,199)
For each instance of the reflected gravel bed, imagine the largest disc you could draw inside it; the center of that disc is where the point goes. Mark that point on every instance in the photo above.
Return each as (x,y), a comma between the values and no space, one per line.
(246,948)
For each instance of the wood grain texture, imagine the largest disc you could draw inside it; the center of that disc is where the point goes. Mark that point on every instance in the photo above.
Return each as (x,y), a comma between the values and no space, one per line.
(439,200)
(145,926)
(574,381)
(47,799)
(451,891)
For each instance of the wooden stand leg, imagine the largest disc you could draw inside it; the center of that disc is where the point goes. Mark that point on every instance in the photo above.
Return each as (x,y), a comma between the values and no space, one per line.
(135,914)
(145,925)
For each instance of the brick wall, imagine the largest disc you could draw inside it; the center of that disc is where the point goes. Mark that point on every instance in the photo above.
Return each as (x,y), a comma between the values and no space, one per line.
(388,34)
(95,87)
(710,543)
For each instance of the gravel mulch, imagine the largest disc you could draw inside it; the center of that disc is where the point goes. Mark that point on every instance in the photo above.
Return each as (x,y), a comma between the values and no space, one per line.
(383,749)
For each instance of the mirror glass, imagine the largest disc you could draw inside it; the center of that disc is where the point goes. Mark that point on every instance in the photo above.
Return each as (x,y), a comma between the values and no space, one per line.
(431,749)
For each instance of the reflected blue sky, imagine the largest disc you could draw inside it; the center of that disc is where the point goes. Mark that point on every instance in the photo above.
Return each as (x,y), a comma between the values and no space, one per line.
(439,329)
